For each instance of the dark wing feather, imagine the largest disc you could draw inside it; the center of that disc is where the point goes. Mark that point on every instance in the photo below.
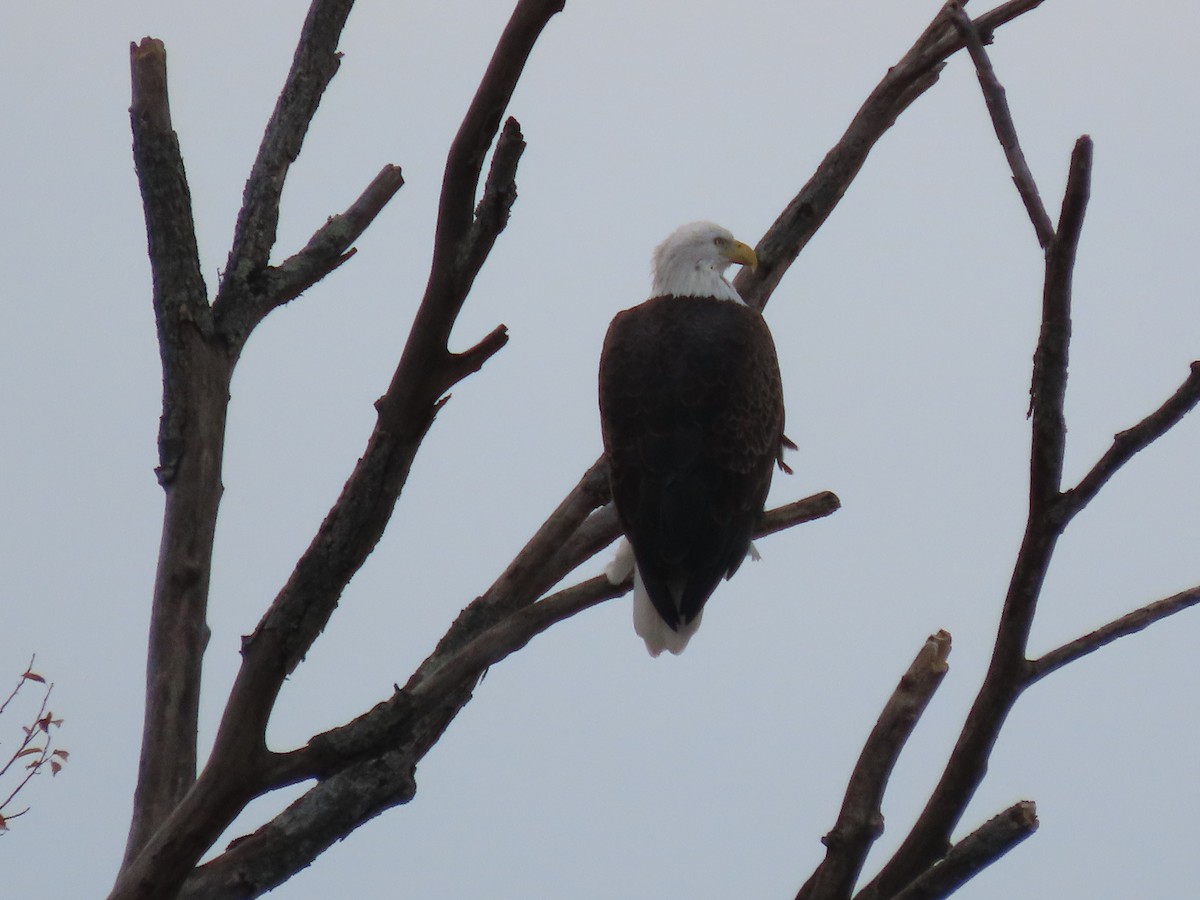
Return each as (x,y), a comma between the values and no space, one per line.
(691,408)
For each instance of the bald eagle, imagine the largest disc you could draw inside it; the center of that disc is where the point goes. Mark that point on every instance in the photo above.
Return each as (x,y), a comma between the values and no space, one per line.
(691,412)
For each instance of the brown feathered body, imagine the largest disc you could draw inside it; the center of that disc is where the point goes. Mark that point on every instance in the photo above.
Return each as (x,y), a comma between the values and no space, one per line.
(692,418)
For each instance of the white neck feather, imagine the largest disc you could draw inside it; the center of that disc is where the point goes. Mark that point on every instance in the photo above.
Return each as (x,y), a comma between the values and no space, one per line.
(701,282)
(678,272)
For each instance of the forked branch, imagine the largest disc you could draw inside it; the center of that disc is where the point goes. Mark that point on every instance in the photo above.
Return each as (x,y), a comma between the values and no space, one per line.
(240,765)
(925,865)
(860,821)
(315,63)
(916,72)
(331,244)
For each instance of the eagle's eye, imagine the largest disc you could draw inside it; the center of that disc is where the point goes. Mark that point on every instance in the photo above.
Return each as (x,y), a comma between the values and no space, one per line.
(720,241)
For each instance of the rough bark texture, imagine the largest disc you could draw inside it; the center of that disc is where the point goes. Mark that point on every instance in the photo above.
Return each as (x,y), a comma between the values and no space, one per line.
(191,437)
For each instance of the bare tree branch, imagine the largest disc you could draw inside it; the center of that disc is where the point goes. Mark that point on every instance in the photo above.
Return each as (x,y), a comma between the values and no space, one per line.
(406,411)
(512,633)
(240,763)
(974,853)
(405,728)
(564,542)
(525,579)
(916,72)
(860,821)
(825,503)
(330,245)
(315,63)
(460,235)
(179,290)
(367,765)
(997,104)
(1049,388)
(1130,623)
(481,637)
(929,837)
(516,630)
(198,358)
(257,863)
(191,433)
(1129,442)
(499,194)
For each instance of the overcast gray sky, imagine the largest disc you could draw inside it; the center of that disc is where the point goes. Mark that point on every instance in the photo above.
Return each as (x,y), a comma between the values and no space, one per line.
(583,768)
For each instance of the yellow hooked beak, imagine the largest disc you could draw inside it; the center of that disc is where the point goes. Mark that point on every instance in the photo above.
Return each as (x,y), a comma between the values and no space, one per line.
(742,253)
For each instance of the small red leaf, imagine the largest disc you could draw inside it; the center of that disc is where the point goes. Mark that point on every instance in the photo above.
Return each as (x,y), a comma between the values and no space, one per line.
(61,753)
(55,767)
(34,676)
(27,751)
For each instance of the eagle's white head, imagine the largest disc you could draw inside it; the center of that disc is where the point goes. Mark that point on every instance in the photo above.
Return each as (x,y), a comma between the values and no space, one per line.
(692,261)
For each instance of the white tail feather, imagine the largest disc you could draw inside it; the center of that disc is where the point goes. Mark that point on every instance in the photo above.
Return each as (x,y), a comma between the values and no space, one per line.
(651,628)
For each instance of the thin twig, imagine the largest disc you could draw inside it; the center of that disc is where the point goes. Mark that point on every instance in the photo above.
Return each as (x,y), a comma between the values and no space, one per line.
(20,683)
(974,853)
(1132,440)
(1130,623)
(860,821)
(330,245)
(40,723)
(997,104)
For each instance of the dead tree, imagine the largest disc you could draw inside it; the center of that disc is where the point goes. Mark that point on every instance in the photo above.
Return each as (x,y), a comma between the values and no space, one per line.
(367,764)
